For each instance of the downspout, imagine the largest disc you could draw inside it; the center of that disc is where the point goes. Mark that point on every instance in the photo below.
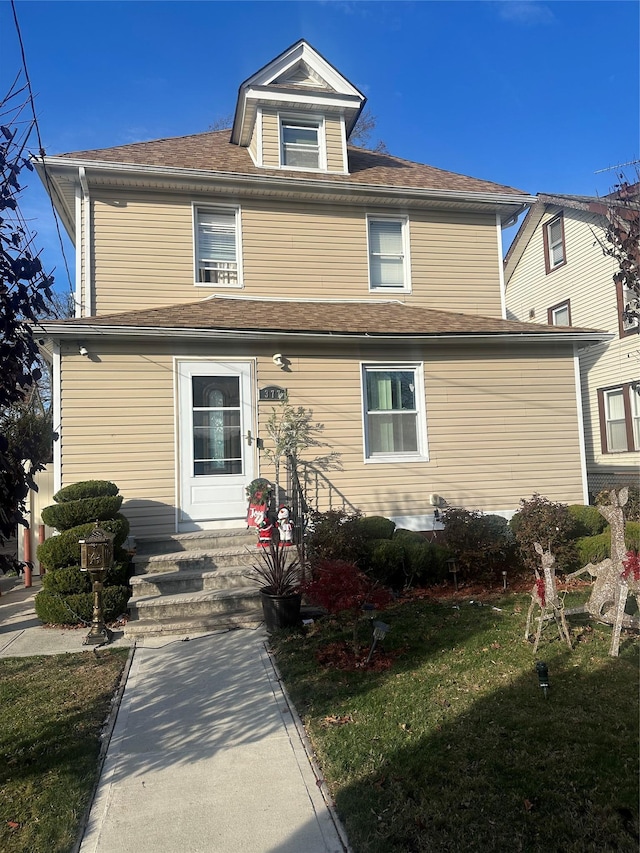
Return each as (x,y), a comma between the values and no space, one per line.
(86,217)
(503,295)
(581,437)
(77,297)
(56,383)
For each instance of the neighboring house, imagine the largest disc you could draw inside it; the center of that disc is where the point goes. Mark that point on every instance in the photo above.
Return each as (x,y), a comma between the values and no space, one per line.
(212,267)
(556,272)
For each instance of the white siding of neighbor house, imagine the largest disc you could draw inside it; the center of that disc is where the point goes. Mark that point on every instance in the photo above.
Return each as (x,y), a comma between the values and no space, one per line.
(143,254)
(501,423)
(587,281)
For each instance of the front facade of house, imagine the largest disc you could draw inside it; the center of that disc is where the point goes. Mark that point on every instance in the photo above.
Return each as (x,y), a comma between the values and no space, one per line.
(218,270)
(556,273)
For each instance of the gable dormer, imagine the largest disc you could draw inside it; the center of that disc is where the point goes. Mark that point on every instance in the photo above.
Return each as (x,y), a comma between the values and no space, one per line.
(297,113)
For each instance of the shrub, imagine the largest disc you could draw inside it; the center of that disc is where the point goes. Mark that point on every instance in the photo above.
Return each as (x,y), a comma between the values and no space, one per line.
(547,522)
(375,527)
(53,608)
(587,521)
(388,562)
(68,581)
(481,543)
(85,489)
(64,550)
(409,536)
(64,516)
(335,535)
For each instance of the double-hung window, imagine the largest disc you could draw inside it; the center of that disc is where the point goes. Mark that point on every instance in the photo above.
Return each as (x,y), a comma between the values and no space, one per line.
(300,146)
(217,246)
(619,410)
(394,416)
(554,248)
(560,315)
(388,241)
(626,300)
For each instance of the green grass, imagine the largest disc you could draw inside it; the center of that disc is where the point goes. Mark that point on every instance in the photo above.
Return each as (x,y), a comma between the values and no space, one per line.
(455,747)
(52,710)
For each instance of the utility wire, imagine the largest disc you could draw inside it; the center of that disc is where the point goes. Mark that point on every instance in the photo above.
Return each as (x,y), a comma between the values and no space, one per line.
(41,151)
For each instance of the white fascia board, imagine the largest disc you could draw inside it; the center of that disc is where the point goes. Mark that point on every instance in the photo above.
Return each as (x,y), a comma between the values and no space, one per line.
(88,330)
(313,99)
(318,186)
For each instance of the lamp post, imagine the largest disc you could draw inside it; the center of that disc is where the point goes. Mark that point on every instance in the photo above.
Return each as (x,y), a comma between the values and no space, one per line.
(96,557)
(453,569)
(543,676)
(380,631)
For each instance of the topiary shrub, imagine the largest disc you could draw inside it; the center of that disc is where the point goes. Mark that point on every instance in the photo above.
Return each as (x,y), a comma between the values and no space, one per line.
(53,608)
(482,544)
(375,527)
(335,535)
(64,550)
(64,516)
(85,489)
(547,522)
(587,520)
(68,581)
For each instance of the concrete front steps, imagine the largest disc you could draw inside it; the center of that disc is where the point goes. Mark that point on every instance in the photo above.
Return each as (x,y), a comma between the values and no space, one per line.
(194,582)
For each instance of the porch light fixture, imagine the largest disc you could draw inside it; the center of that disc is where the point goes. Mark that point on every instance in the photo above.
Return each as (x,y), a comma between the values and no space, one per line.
(543,676)
(83,351)
(279,360)
(96,557)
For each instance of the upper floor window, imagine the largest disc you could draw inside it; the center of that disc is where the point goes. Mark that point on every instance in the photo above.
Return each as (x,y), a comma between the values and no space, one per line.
(554,247)
(300,143)
(619,410)
(388,253)
(217,246)
(626,299)
(560,314)
(394,419)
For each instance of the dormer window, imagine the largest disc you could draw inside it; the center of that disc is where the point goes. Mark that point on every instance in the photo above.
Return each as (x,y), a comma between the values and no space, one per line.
(301,143)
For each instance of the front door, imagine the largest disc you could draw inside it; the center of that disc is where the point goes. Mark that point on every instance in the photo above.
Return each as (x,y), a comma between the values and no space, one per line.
(216,448)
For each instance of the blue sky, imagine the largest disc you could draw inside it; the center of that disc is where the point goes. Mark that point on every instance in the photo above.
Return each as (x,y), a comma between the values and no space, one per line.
(537,95)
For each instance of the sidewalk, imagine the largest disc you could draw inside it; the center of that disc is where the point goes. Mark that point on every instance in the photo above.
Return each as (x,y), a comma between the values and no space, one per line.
(206,756)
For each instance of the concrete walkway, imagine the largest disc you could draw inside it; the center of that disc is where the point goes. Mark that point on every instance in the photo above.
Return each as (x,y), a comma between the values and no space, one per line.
(206,756)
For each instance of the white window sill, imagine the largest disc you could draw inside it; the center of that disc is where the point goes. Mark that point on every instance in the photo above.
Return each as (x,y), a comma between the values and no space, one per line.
(395,459)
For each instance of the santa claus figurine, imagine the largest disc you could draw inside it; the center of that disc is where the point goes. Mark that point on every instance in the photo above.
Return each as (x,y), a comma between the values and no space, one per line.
(285,528)
(265,532)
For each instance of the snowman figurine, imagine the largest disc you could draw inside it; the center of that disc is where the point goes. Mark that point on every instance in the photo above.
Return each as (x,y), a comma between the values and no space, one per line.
(285,528)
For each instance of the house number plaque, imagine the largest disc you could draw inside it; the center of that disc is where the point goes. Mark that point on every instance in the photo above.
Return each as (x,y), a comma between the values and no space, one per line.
(272,393)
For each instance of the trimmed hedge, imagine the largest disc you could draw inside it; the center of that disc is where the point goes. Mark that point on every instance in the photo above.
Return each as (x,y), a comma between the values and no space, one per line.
(587,520)
(64,549)
(388,562)
(375,527)
(85,489)
(68,581)
(54,609)
(64,516)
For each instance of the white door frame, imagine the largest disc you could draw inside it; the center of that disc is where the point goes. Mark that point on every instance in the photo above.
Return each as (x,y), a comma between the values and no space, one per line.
(213,501)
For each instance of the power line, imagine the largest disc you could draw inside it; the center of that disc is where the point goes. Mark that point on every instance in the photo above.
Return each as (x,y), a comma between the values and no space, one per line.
(41,151)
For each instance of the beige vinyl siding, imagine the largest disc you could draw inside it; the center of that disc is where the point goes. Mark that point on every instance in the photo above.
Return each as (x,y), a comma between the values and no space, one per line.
(587,281)
(333,140)
(270,139)
(253,145)
(144,254)
(501,425)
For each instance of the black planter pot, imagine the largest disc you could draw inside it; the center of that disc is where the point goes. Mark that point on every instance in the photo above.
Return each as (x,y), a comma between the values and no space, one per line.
(280,611)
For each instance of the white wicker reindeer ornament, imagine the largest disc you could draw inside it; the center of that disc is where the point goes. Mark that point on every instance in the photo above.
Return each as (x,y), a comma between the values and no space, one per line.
(545,595)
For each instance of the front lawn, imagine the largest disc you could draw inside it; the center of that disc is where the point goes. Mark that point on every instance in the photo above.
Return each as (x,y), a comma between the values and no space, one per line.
(52,710)
(456,748)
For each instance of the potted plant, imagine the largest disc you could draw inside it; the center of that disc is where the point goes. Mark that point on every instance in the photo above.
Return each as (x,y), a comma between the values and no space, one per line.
(279,573)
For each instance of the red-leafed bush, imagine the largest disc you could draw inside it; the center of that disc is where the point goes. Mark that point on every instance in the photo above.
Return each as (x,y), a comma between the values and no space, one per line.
(631,566)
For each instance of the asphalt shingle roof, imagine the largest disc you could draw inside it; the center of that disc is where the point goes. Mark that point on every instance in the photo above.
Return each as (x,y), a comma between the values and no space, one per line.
(212,151)
(346,318)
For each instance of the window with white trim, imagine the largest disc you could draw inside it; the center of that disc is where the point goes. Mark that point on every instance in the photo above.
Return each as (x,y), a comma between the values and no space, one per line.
(619,411)
(300,143)
(626,300)
(388,253)
(217,246)
(555,255)
(394,416)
